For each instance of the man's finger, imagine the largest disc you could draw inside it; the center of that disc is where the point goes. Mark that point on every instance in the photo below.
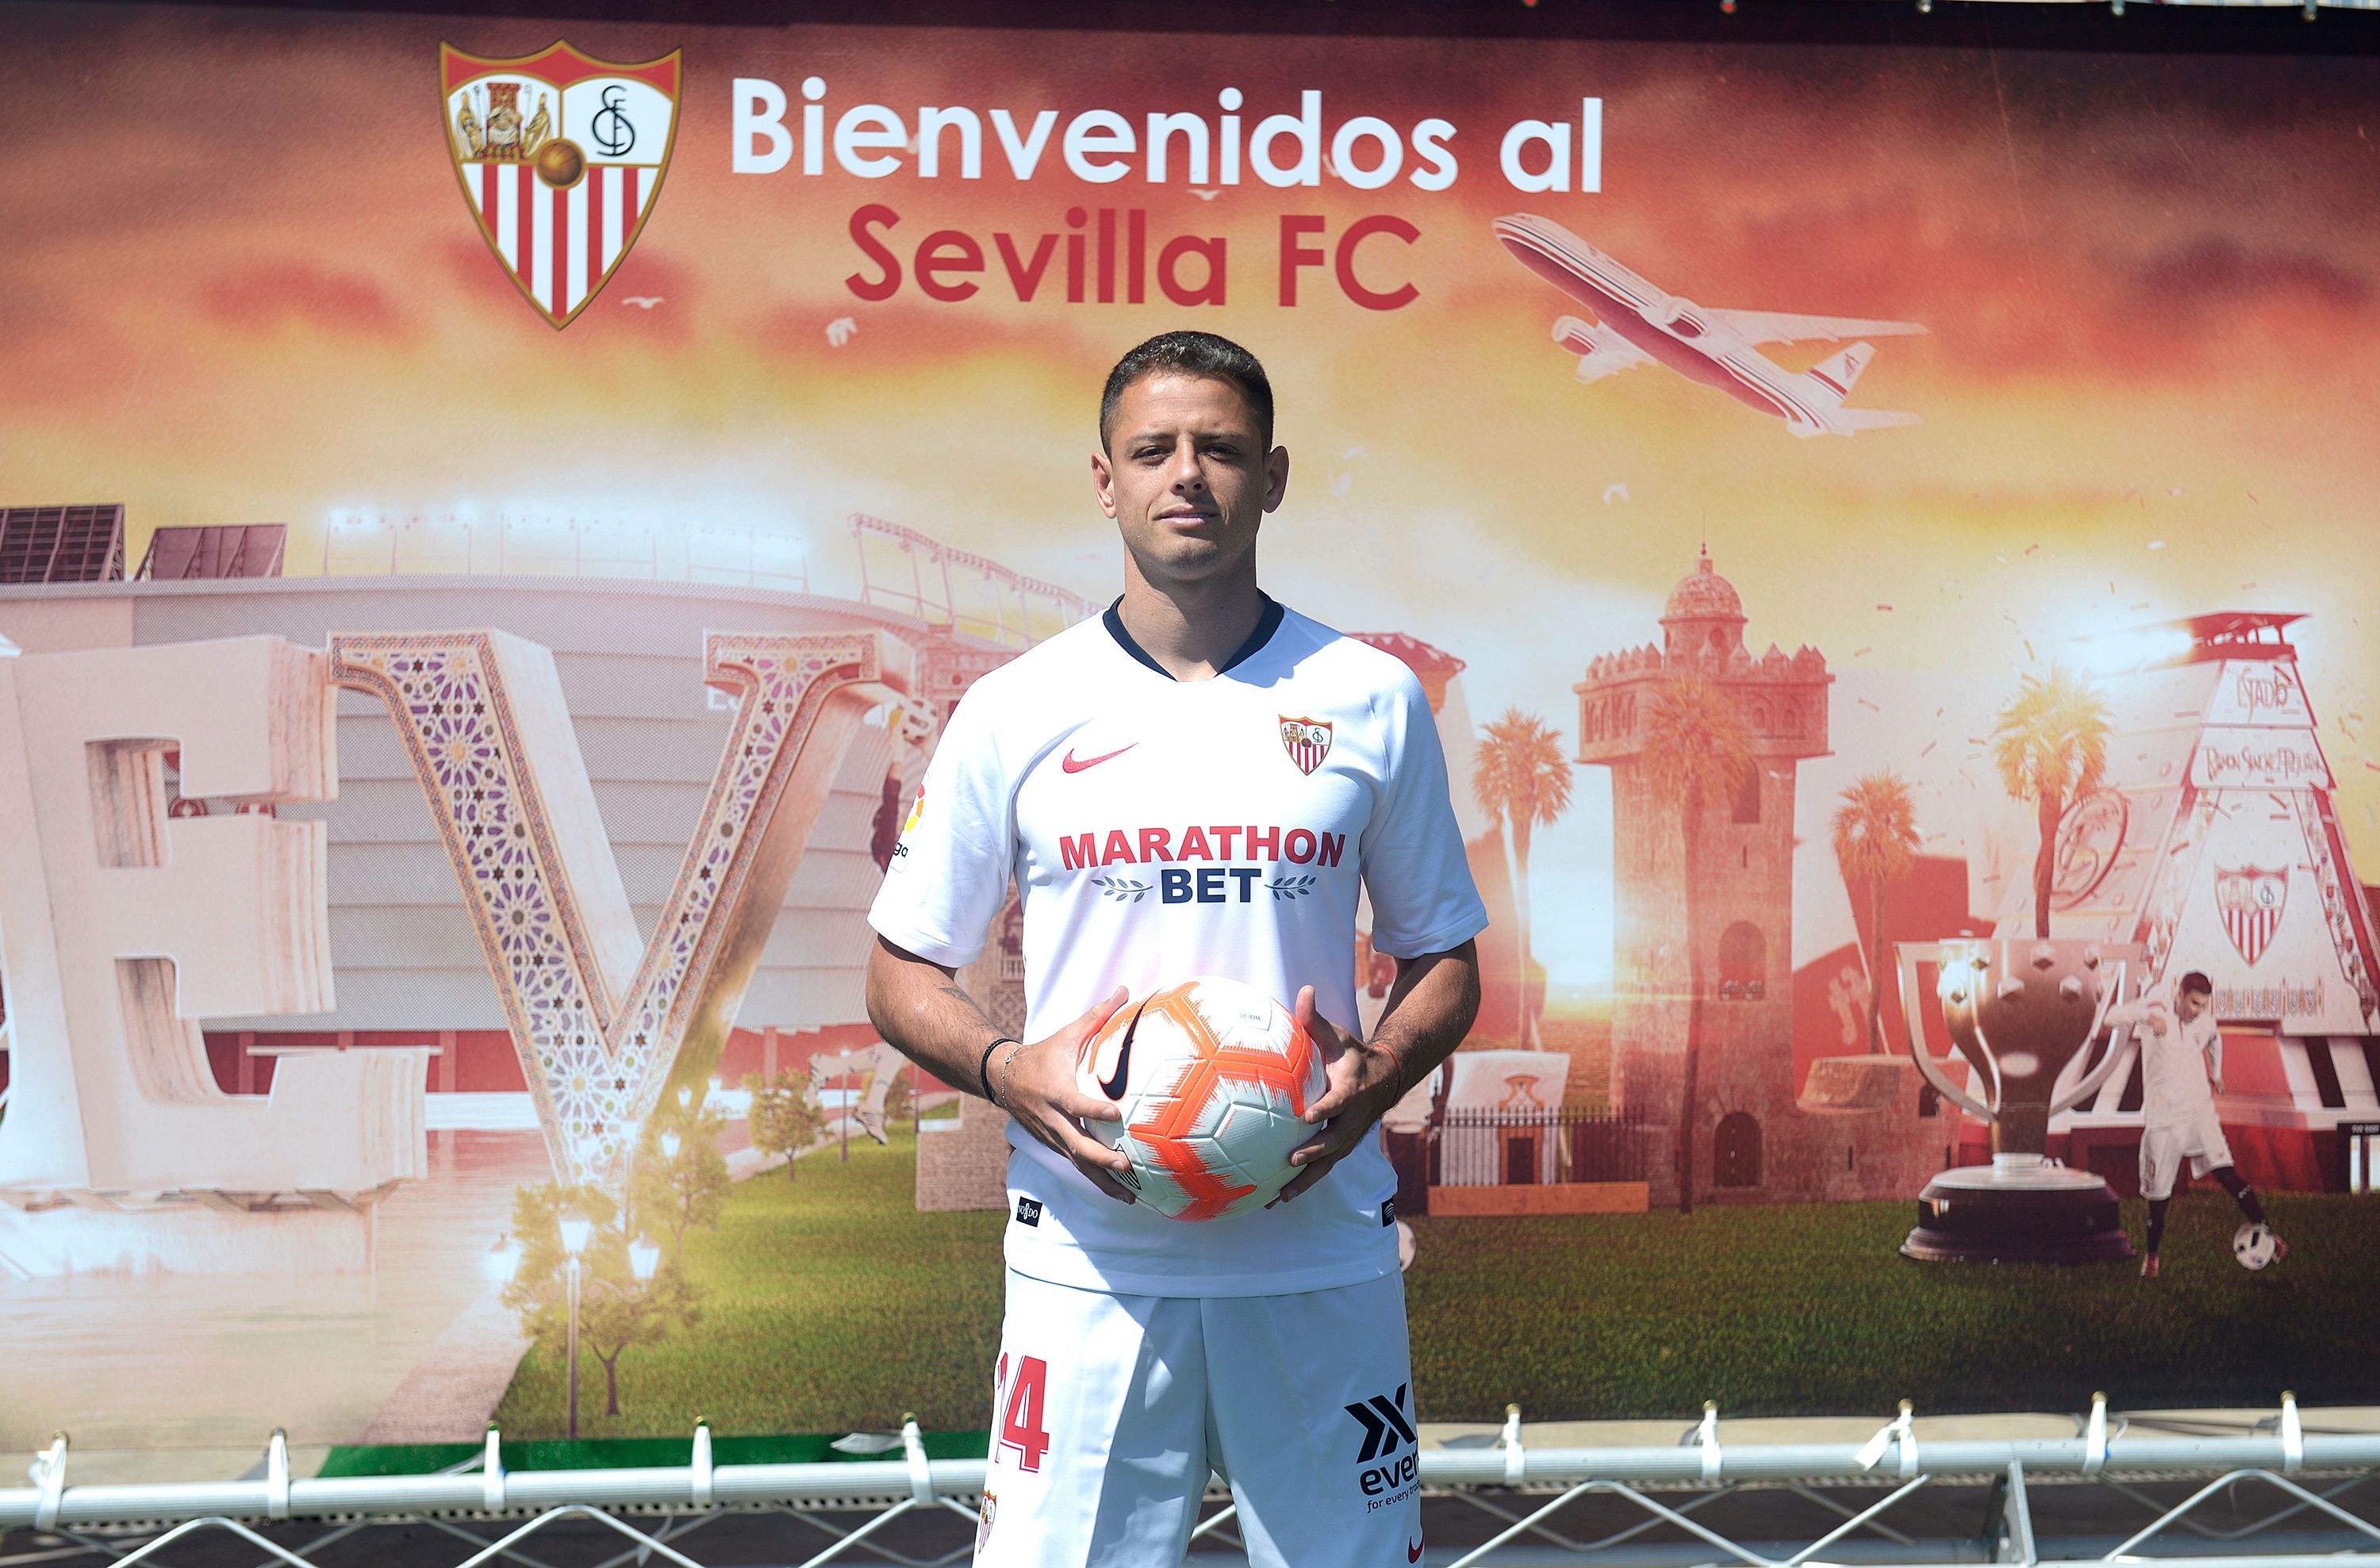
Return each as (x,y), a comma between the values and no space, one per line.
(1108,1184)
(1083,1148)
(1318,1028)
(1335,1096)
(1327,1140)
(1306,1178)
(1088,1107)
(1341,1082)
(1096,1017)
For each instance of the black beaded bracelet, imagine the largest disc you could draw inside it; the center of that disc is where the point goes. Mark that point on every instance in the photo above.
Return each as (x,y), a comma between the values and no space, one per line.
(983,1068)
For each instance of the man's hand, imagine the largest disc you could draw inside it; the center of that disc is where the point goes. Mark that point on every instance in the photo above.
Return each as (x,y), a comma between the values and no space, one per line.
(1361,1086)
(2219,1083)
(2158,1020)
(1035,1084)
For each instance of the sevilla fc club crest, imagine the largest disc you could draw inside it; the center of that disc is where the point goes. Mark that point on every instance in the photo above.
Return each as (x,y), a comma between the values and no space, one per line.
(1308,740)
(561,156)
(2251,900)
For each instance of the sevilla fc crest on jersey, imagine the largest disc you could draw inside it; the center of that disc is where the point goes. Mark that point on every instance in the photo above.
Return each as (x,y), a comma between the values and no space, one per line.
(561,156)
(1308,740)
(2251,900)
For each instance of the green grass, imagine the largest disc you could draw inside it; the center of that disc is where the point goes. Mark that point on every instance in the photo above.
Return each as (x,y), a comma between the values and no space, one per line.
(832,1305)
(1807,1309)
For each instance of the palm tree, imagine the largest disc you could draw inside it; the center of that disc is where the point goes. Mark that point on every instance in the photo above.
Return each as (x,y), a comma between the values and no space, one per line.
(1876,843)
(1697,748)
(2050,745)
(1523,780)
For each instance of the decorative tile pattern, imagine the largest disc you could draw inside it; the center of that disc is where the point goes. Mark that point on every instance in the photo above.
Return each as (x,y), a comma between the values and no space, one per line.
(596,1063)
(2338,914)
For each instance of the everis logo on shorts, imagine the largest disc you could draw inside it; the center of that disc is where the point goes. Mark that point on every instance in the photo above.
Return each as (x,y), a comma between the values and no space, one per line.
(1386,1458)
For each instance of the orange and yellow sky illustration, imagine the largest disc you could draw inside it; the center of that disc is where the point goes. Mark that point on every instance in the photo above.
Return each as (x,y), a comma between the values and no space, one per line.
(242,286)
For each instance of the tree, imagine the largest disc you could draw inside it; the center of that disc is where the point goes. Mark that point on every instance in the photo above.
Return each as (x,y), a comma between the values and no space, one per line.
(899,1098)
(1697,750)
(1523,780)
(2050,745)
(616,1309)
(784,1119)
(681,1178)
(1876,843)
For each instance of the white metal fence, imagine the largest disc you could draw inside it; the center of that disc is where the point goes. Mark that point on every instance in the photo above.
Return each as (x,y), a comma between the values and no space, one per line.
(651,1514)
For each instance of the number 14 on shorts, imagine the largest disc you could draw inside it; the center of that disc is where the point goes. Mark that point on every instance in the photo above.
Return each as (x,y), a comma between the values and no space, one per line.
(1023,1404)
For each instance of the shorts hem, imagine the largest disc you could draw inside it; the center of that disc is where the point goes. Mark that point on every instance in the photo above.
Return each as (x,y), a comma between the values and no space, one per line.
(1084,1276)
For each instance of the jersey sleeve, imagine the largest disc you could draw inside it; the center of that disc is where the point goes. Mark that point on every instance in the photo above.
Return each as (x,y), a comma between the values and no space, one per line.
(2135,1013)
(1415,866)
(950,871)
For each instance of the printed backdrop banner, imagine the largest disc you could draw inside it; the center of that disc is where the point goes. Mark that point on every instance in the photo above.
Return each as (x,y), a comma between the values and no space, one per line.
(498,513)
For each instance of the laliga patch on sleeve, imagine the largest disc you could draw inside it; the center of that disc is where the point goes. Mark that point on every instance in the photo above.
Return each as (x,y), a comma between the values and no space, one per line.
(1388,1213)
(1029,1211)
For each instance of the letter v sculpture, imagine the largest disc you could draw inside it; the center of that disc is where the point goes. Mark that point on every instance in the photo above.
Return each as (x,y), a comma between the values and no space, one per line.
(605,1021)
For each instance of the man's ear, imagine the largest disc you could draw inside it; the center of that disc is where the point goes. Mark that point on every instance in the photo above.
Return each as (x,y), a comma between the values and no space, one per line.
(1276,478)
(1103,483)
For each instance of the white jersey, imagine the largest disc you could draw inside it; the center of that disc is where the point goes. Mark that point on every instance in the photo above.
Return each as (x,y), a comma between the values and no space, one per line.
(2176,1064)
(2177,1115)
(1159,830)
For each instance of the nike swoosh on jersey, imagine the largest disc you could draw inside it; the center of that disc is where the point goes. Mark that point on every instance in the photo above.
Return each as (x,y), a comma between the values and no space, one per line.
(1413,1552)
(1112,1087)
(1072,764)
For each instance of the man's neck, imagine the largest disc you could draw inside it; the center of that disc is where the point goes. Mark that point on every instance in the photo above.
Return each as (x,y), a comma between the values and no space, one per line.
(1192,629)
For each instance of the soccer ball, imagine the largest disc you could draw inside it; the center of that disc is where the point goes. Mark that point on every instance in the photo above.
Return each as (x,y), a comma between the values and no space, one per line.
(2253,1244)
(1213,1078)
(559,163)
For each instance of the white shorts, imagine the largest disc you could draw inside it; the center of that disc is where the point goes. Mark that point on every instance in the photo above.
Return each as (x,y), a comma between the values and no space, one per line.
(1109,1411)
(2198,1140)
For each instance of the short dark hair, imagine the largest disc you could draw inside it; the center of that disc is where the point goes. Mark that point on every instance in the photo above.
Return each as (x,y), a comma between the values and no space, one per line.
(1191,353)
(2195,981)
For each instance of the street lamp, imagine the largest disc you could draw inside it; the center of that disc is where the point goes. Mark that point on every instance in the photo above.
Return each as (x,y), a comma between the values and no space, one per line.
(671,1143)
(502,1262)
(644,1257)
(575,1226)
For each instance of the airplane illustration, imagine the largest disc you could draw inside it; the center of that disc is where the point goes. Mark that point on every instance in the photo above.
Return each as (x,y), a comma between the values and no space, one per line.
(1638,324)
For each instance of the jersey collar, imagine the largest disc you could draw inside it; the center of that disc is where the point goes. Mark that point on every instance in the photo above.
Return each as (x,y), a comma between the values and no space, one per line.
(1267,624)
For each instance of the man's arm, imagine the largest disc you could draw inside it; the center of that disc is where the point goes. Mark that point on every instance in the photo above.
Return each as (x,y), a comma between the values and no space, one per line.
(2215,1059)
(2135,1013)
(1430,1009)
(922,1011)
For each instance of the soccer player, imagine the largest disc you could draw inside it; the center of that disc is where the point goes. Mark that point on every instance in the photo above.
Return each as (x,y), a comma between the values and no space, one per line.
(1200,781)
(2180,1050)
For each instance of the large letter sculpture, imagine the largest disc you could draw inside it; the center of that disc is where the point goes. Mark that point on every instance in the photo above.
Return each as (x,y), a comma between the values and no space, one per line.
(119,929)
(603,1020)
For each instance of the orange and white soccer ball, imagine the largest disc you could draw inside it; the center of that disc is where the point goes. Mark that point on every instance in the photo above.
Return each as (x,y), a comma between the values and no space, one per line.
(1214,1079)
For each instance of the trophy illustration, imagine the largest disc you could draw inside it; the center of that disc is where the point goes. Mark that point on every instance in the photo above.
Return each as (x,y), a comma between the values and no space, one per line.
(2020,1011)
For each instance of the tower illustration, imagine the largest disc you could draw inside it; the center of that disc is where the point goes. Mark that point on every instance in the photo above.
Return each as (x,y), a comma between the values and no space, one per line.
(1743,874)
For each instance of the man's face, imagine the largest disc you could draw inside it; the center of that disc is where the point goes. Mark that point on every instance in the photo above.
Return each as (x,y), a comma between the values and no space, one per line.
(1186,477)
(2189,1005)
